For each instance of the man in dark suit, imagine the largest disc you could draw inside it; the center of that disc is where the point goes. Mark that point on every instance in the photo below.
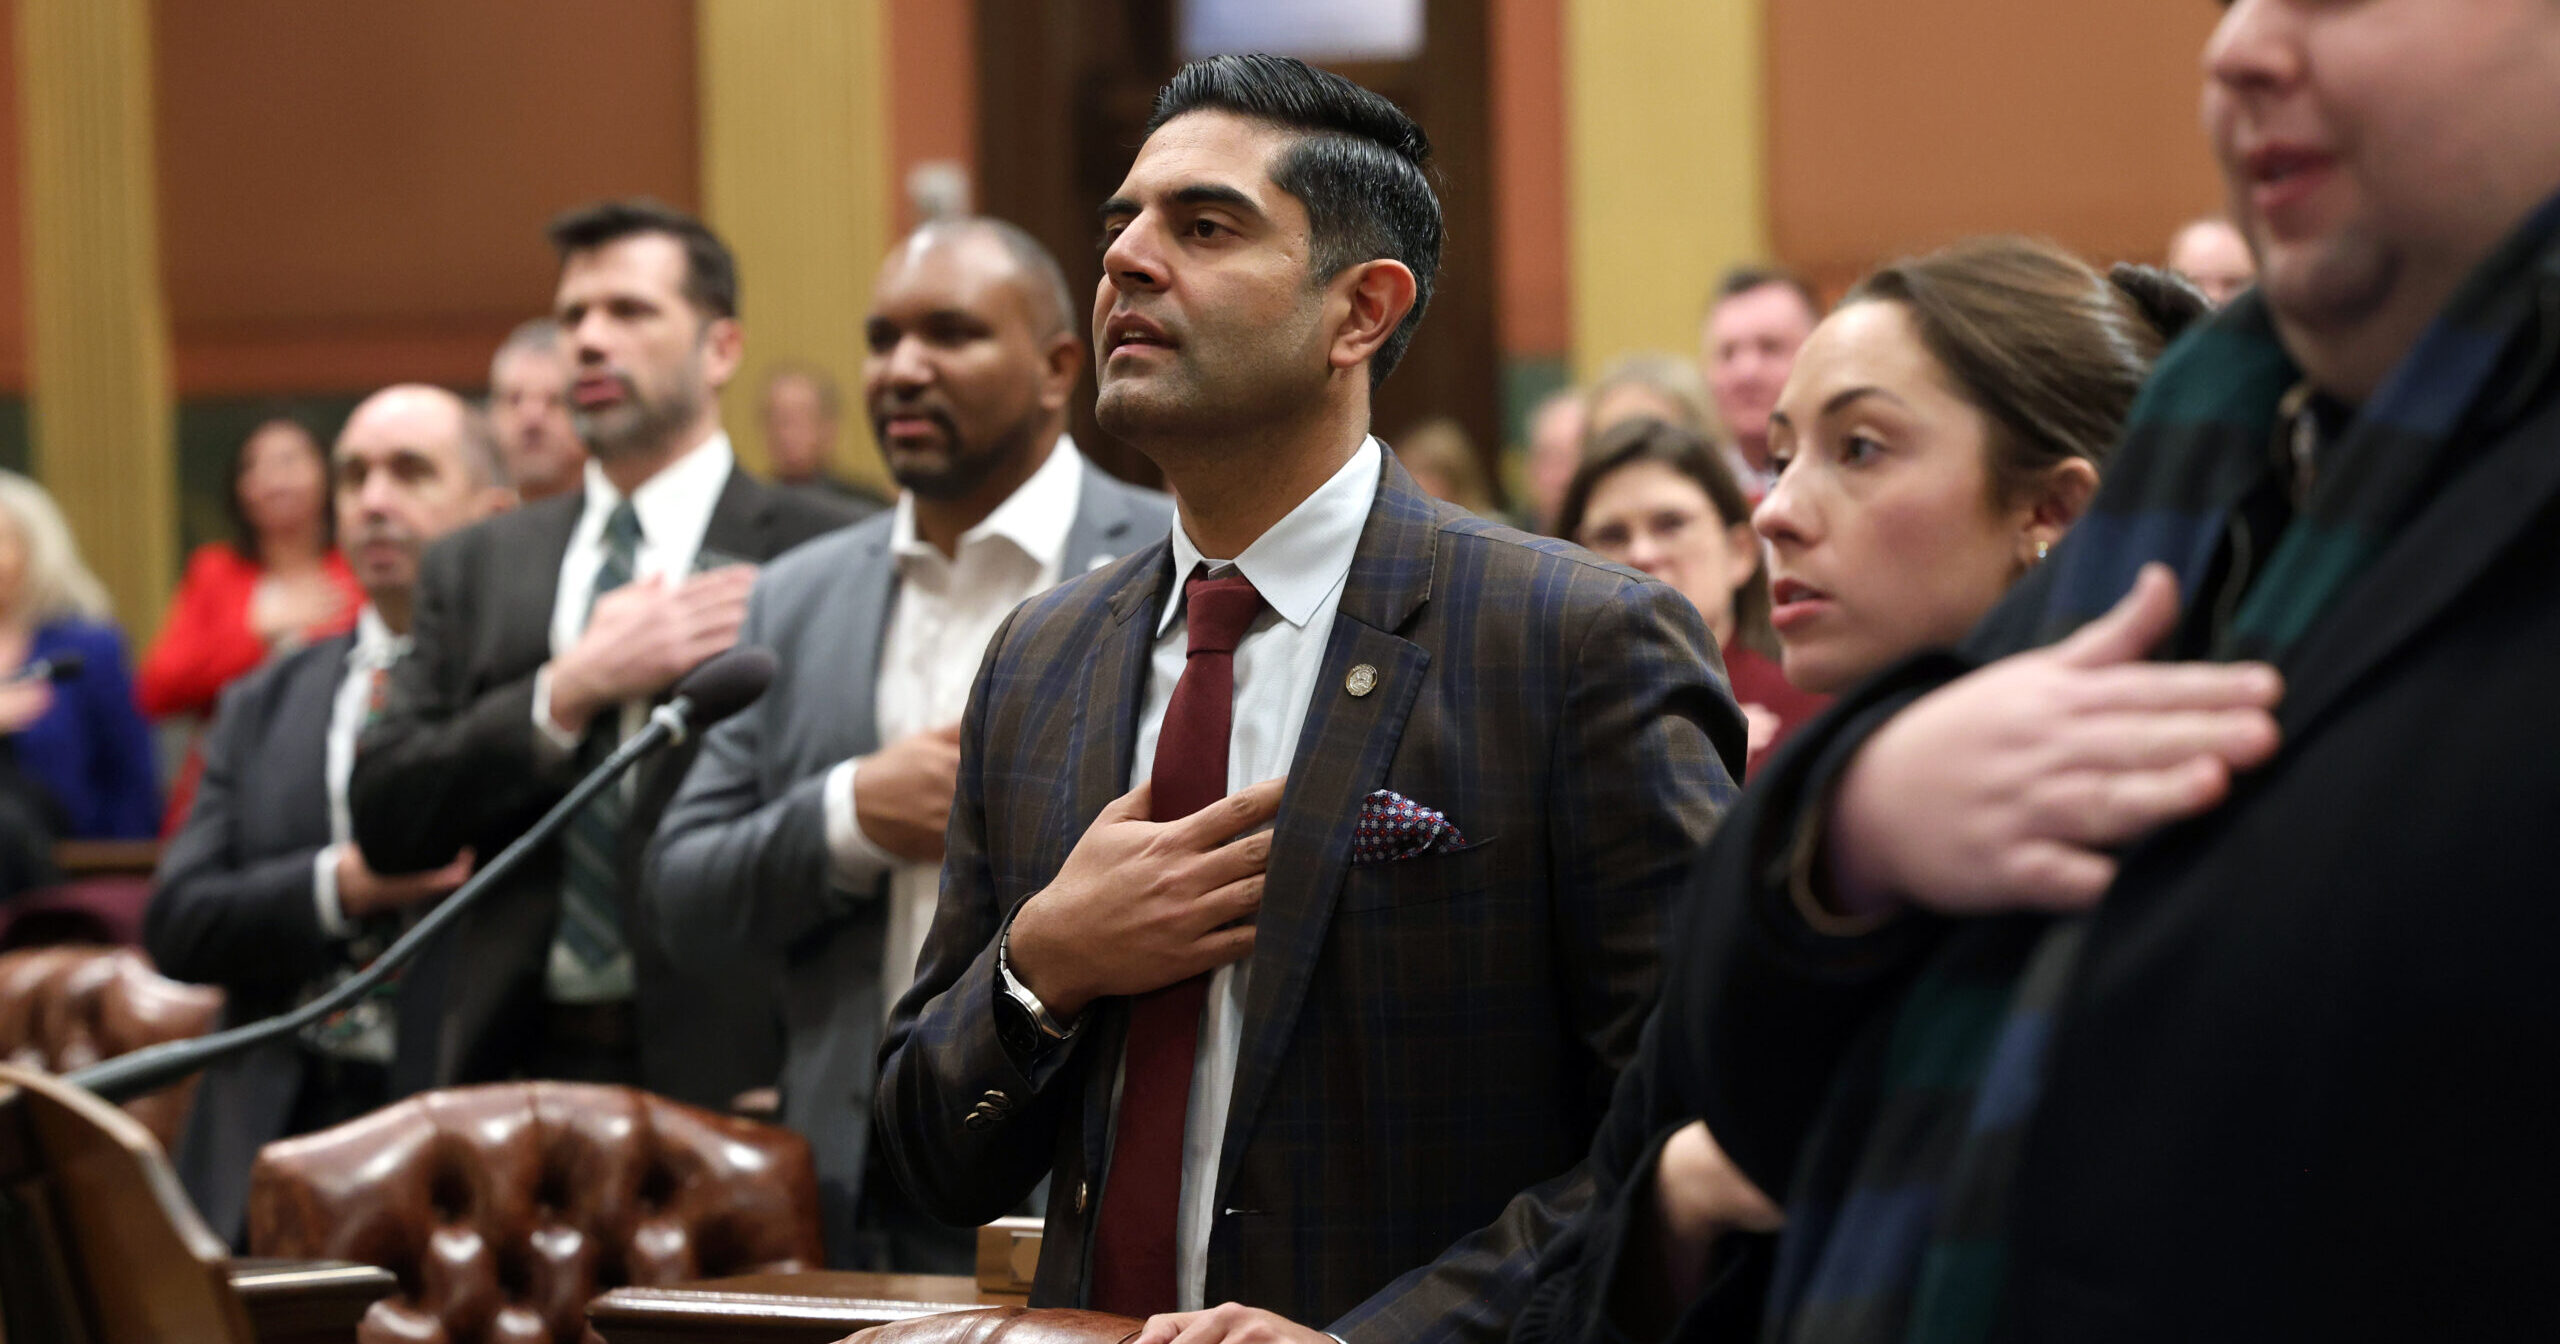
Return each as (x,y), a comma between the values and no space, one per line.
(542,637)
(1342,1069)
(810,831)
(262,892)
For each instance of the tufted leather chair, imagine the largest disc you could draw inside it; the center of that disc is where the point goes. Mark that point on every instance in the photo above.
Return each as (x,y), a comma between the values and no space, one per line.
(1004,1325)
(67,1007)
(504,1209)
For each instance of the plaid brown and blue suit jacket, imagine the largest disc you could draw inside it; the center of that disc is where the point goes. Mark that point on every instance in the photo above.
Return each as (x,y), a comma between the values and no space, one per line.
(1428,1043)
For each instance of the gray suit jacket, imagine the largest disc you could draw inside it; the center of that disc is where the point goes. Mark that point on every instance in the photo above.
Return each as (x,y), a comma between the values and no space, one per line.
(740,861)
(232,906)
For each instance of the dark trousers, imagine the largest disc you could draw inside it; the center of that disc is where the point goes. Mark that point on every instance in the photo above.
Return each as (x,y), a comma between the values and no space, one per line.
(588,1043)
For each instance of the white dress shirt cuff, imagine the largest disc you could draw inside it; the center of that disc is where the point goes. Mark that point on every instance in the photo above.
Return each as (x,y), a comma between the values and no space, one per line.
(324,894)
(854,863)
(551,732)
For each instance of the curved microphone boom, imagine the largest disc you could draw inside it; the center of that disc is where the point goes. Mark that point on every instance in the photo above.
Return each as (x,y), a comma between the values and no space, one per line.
(721,686)
(56,668)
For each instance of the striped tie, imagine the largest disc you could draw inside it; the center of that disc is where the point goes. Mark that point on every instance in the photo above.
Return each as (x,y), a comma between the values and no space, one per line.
(591,904)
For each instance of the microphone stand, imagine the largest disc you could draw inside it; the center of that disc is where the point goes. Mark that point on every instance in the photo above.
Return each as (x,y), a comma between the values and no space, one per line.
(154,1067)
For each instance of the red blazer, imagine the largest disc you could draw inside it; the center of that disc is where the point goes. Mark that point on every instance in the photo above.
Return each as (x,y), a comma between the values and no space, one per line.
(206,642)
(1757,681)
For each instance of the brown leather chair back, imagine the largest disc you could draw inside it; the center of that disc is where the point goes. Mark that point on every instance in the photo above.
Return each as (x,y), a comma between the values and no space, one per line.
(504,1209)
(66,1007)
(1003,1325)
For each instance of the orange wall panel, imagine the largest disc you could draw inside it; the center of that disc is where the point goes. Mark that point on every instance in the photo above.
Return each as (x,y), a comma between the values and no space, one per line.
(353,194)
(1895,127)
(933,94)
(1532,255)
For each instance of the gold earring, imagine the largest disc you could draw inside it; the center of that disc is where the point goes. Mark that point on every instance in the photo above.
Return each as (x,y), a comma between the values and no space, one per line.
(2041,548)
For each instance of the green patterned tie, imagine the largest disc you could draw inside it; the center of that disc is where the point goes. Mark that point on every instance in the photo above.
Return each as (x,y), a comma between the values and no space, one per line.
(591,905)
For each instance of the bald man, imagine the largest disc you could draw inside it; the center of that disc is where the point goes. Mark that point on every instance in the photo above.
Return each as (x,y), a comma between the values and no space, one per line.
(812,823)
(262,892)
(2211,252)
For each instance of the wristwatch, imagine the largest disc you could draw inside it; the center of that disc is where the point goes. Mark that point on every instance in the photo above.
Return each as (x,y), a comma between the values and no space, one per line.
(1023,1023)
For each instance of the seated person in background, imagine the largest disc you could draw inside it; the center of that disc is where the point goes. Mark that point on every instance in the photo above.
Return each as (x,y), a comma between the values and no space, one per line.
(803,410)
(278,584)
(1444,463)
(809,832)
(529,411)
(1660,499)
(1646,385)
(80,740)
(1553,451)
(1942,429)
(261,891)
(2212,254)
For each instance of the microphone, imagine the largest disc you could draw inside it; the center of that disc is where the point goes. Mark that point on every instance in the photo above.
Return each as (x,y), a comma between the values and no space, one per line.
(58,668)
(721,686)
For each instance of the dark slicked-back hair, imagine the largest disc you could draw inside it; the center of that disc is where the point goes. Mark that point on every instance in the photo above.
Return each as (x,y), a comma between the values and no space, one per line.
(710,272)
(1360,166)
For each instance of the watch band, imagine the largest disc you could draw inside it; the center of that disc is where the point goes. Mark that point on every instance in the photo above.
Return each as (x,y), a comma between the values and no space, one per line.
(1048,1024)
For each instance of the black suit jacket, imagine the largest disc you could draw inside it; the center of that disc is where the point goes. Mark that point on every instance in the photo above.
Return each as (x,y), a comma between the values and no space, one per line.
(456,760)
(232,906)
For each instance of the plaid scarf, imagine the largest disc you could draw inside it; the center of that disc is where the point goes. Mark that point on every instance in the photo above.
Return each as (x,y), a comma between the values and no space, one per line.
(1899,1231)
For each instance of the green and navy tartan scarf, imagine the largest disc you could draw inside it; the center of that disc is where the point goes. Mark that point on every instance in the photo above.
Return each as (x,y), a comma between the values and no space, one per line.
(1899,1226)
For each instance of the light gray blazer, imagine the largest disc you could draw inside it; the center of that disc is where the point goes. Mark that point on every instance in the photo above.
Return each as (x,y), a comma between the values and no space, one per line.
(738,870)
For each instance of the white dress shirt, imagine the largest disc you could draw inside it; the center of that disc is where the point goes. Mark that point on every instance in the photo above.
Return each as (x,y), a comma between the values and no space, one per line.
(1299,567)
(674,507)
(945,612)
(375,651)
(363,1032)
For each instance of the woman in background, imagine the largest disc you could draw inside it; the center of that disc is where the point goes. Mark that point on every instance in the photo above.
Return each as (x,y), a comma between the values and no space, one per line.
(1659,498)
(279,583)
(77,738)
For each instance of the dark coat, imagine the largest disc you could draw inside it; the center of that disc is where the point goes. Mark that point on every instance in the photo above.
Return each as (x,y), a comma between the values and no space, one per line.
(233,906)
(1427,1043)
(456,760)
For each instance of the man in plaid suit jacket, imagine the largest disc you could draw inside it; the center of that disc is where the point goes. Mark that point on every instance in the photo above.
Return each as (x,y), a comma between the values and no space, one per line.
(1498,754)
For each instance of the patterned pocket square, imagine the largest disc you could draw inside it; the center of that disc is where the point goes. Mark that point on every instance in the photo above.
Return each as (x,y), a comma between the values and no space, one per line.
(1393,827)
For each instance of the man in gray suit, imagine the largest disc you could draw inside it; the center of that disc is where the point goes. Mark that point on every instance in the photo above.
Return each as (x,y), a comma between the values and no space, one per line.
(263,891)
(810,828)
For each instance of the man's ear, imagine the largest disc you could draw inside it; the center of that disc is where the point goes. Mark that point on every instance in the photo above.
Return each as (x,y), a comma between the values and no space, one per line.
(724,344)
(1374,296)
(1062,362)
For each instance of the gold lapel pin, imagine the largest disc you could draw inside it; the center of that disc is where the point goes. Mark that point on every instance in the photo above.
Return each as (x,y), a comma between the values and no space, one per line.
(1363,679)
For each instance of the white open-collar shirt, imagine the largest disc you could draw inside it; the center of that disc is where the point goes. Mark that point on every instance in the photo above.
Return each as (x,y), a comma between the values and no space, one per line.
(1299,566)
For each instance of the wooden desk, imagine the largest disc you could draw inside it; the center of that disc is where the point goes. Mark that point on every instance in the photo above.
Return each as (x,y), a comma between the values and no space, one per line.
(818,1307)
(307,1301)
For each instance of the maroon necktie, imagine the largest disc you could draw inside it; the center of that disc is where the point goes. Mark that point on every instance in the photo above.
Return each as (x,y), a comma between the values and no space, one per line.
(1133,1250)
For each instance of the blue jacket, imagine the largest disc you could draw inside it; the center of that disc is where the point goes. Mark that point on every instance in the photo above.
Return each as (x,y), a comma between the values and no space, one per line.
(91,750)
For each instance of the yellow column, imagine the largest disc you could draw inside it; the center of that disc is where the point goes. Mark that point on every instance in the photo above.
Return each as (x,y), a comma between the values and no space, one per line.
(795,175)
(1666,143)
(97,326)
